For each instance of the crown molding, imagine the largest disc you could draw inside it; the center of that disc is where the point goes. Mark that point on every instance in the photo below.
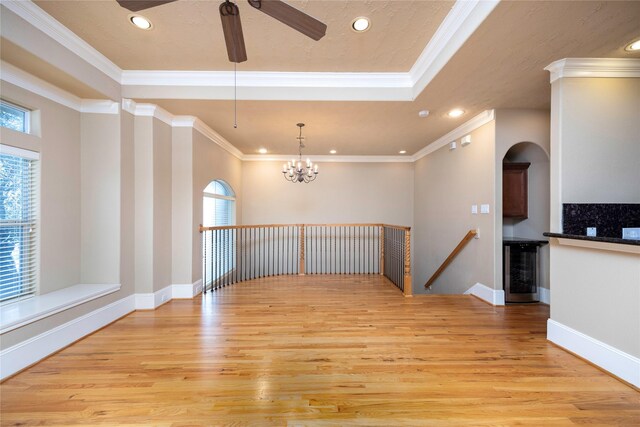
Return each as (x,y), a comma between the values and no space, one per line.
(328,159)
(152,110)
(129,105)
(26,81)
(462,21)
(100,106)
(268,79)
(593,67)
(214,136)
(41,20)
(462,130)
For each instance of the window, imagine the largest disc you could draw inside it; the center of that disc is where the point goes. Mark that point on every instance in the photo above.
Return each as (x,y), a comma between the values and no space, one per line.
(18,216)
(218,209)
(14,117)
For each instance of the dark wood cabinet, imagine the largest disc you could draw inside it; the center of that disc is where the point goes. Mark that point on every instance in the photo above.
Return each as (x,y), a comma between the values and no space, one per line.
(515,186)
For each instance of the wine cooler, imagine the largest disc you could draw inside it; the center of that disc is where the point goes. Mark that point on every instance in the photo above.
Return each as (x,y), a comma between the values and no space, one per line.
(521,263)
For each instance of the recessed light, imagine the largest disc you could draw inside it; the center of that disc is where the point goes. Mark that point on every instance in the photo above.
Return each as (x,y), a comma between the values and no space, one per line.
(402,151)
(360,24)
(262,151)
(140,22)
(423,113)
(333,151)
(456,112)
(633,46)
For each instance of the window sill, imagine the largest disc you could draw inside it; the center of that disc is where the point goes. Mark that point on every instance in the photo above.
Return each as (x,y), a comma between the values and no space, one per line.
(20,313)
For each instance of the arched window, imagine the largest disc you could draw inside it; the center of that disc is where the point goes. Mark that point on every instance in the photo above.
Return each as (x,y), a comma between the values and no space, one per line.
(218,209)
(219,204)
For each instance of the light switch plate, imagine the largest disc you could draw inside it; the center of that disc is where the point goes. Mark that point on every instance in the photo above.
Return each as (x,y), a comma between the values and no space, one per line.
(474,209)
(484,209)
(591,231)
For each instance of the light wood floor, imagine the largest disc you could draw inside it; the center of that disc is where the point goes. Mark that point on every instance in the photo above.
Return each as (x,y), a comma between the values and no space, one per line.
(320,351)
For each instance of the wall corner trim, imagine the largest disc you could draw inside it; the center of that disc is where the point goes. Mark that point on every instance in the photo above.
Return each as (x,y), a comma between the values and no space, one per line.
(492,296)
(26,353)
(593,67)
(465,128)
(617,362)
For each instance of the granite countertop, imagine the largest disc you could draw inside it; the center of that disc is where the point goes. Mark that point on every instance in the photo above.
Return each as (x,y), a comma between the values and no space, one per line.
(517,240)
(594,239)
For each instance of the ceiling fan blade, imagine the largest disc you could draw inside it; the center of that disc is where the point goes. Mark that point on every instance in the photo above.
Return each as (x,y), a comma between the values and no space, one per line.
(292,17)
(138,5)
(232,29)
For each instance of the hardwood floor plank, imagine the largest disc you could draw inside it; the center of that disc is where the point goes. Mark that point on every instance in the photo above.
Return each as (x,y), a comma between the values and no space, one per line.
(320,351)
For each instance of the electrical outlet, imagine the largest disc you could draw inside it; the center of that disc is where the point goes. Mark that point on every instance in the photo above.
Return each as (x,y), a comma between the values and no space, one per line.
(484,209)
(591,231)
(631,233)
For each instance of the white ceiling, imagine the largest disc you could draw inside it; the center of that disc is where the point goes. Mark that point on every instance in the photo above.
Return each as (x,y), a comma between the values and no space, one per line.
(500,65)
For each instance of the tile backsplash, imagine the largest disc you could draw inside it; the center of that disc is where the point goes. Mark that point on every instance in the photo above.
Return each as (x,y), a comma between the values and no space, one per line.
(608,218)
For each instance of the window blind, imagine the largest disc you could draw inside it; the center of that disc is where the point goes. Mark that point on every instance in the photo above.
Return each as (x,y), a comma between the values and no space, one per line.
(18,223)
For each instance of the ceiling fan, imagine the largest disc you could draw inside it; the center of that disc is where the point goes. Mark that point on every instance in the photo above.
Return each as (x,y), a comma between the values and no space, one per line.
(232,28)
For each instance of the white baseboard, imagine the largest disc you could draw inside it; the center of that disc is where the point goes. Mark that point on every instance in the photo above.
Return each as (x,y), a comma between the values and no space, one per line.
(544,295)
(154,300)
(619,363)
(186,291)
(26,353)
(492,296)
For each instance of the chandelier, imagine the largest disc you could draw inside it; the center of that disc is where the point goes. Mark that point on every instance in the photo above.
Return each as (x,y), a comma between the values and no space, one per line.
(297,172)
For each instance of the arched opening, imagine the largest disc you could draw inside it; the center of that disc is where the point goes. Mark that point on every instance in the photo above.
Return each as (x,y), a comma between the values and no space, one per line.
(218,209)
(536,220)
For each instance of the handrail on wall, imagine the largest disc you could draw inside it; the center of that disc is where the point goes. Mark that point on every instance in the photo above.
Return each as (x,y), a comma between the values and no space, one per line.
(244,252)
(465,240)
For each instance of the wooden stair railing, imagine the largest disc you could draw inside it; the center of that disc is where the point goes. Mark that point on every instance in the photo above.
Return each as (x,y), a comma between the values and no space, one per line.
(236,253)
(465,240)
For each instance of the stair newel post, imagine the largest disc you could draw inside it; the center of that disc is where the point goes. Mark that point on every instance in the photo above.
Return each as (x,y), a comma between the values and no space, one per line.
(408,287)
(301,251)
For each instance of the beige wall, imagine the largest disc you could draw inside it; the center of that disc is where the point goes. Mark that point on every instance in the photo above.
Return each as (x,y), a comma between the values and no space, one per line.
(127,204)
(161,205)
(153,209)
(447,183)
(597,292)
(527,134)
(210,162)
(598,128)
(143,155)
(59,147)
(100,194)
(342,193)
(66,137)
(595,155)
(182,205)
